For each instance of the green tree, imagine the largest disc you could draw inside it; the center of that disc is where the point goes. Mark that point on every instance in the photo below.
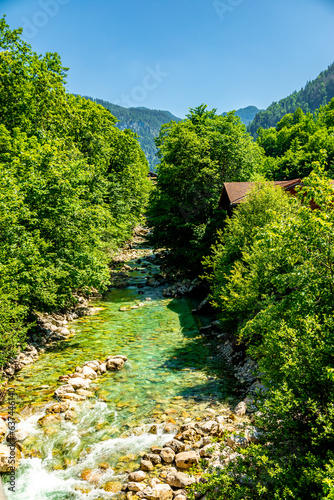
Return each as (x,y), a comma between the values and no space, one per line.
(197,155)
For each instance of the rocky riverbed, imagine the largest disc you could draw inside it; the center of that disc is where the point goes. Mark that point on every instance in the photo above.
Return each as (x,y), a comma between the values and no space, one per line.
(148,413)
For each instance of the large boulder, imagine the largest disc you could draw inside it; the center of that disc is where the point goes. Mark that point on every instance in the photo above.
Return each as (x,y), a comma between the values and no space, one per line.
(9,458)
(115,364)
(179,479)
(186,459)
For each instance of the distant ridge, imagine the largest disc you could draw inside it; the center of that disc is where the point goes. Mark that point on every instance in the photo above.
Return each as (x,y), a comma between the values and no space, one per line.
(144,121)
(247,115)
(316,93)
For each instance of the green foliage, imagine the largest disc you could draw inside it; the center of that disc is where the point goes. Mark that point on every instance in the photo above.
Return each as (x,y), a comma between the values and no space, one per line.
(72,186)
(297,141)
(316,93)
(273,281)
(197,156)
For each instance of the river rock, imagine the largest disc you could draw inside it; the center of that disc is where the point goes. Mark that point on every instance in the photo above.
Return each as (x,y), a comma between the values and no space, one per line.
(133,486)
(73,397)
(176,445)
(179,479)
(240,409)
(167,455)
(181,497)
(209,427)
(84,392)
(235,441)
(64,331)
(17,436)
(186,459)
(79,383)
(153,457)
(3,429)
(102,368)
(115,364)
(88,372)
(9,458)
(95,365)
(209,451)
(190,435)
(158,492)
(124,358)
(137,476)
(146,465)
(69,415)
(49,420)
(253,435)
(58,408)
(64,389)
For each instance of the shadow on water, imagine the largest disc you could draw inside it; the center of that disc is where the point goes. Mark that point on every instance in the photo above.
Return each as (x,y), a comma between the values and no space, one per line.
(200,355)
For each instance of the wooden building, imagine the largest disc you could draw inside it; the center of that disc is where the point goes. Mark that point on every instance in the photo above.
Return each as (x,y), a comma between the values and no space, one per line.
(236,192)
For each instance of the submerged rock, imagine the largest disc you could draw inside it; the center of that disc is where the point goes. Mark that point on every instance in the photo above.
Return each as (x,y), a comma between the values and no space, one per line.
(64,389)
(58,408)
(79,383)
(49,420)
(115,364)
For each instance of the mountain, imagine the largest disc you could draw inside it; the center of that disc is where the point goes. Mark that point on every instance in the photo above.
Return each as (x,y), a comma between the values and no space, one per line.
(247,115)
(144,121)
(316,93)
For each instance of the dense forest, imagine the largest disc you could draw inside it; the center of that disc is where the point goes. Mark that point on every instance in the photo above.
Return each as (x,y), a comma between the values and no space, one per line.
(146,123)
(270,271)
(316,93)
(72,186)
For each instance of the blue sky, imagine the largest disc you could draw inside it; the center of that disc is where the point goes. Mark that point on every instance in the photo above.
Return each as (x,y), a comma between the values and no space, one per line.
(173,55)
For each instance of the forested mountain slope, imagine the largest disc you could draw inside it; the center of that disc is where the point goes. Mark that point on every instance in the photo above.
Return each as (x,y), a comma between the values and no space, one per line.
(247,114)
(316,93)
(145,122)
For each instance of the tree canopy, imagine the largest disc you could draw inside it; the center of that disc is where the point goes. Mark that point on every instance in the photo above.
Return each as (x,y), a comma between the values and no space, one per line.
(197,155)
(72,187)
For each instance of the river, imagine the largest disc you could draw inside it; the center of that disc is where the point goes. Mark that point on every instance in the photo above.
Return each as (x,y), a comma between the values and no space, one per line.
(172,374)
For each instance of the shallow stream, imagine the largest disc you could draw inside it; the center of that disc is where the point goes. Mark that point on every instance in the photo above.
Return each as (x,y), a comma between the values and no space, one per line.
(171,375)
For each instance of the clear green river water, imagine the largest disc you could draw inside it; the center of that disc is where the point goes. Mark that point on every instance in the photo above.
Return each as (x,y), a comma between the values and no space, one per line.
(172,374)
